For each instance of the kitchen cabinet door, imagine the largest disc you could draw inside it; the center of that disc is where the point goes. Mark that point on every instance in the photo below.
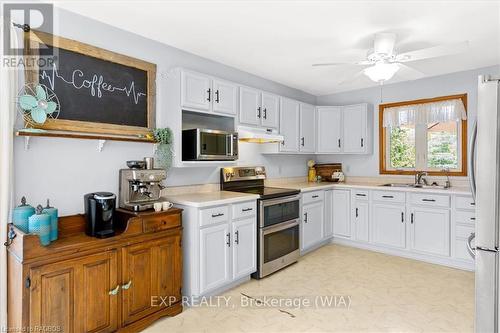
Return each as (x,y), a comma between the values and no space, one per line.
(361,216)
(355,128)
(244,245)
(250,108)
(224,98)
(328,228)
(430,230)
(74,295)
(270,110)
(138,272)
(307,128)
(312,224)
(341,213)
(289,125)
(196,91)
(388,225)
(329,129)
(215,261)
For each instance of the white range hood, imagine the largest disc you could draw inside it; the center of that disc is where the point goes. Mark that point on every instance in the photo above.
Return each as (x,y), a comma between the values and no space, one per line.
(258,135)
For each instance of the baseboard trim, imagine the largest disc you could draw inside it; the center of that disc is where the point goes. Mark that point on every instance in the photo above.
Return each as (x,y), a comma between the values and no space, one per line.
(449,262)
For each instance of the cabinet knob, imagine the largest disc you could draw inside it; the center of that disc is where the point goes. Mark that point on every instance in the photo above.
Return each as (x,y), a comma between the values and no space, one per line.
(115,291)
(127,285)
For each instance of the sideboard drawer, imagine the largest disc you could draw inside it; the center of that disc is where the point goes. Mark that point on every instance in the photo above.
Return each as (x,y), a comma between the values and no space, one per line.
(244,209)
(429,199)
(158,223)
(214,215)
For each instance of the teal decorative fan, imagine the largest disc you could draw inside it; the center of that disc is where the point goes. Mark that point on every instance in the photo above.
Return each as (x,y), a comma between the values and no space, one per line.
(37,103)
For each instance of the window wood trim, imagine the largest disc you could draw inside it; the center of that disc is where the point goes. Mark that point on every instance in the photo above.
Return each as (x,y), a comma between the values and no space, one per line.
(383,137)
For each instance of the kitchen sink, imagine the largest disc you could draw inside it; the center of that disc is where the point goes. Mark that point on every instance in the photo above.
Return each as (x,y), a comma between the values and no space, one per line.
(434,187)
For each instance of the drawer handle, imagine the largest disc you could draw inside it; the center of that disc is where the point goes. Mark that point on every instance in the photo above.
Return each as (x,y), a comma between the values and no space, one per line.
(357,212)
(402,217)
(388,196)
(115,291)
(412,219)
(472,203)
(429,200)
(315,196)
(473,218)
(305,217)
(218,215)
(246,209)
(127,285)
(360,195)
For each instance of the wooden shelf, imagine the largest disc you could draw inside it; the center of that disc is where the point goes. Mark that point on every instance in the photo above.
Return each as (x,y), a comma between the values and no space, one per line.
(79,135)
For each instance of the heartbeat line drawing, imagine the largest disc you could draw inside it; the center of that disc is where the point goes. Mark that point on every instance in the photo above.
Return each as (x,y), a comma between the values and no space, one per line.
(96,85)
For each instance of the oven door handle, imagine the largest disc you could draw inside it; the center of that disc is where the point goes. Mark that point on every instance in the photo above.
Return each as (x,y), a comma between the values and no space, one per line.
(271,202)
(279,227)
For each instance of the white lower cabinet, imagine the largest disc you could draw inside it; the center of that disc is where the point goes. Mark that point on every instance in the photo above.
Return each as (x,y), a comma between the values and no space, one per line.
(341,213)
(219,246)
(244,244)
(388,225)
(328,218)
(430,230)
(214,257)
(361,218)
(312,224)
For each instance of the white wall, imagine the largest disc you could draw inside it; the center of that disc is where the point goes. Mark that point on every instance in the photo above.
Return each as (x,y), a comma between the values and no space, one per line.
(455,83)
(65,169)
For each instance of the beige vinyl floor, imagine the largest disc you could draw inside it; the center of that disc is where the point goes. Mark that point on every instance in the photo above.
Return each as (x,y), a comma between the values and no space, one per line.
(373,293)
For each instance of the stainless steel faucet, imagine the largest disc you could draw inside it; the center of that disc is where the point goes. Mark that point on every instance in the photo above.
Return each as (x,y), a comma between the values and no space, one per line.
(419,178)
(447,184)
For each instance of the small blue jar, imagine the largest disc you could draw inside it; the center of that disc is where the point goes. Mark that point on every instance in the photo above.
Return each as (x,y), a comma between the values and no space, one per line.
(40,224)
(53,213)
(21,214)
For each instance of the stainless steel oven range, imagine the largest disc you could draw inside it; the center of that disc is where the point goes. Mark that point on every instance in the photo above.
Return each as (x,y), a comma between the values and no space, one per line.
(278,217)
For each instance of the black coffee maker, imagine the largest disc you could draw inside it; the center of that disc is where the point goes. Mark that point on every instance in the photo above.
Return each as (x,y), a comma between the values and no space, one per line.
(99,211)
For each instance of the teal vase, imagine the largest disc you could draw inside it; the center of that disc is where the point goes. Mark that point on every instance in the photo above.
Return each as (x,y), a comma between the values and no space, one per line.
(21,214)
(40,224)
(53,213)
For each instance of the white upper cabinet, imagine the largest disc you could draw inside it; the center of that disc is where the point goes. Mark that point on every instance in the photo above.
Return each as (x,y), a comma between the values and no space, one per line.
(270,110)
(289,124)
(224,97)
(250,108)
(355,128)
(344,129)
(307,128)
(196,91)
(204,93)
(258,108)
(329,129)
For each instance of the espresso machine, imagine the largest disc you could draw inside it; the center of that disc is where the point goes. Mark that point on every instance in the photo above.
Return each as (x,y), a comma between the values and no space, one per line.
(140,186)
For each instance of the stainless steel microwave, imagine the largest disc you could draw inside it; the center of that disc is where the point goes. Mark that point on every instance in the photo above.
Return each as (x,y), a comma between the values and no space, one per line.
(209,145)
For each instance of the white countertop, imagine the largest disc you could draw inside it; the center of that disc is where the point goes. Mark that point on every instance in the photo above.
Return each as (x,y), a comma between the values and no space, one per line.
(205,199)
(306,187)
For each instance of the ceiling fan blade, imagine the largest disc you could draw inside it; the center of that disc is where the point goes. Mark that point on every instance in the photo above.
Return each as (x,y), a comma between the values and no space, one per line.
(331,64)
(433,52)
(352,78)
(384,43)
(408,72)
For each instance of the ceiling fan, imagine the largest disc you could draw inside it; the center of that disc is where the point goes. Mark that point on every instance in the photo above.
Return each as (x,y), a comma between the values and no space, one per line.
(384,61)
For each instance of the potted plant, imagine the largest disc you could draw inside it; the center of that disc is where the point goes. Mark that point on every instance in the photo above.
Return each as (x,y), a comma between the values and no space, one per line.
(163,152)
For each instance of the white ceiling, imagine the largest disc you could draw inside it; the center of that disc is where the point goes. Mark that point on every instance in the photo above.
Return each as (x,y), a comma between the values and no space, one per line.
(279,40)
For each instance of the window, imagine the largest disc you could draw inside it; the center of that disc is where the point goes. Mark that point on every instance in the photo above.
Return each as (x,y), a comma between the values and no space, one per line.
(428,135)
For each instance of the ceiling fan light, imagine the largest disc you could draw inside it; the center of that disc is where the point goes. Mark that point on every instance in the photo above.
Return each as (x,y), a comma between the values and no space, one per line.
(381,71)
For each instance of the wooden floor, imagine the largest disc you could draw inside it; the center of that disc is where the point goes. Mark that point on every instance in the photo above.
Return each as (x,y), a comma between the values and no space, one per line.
(386,294)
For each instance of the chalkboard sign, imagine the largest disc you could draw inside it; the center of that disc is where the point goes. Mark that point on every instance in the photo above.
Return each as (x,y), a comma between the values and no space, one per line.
(99,91)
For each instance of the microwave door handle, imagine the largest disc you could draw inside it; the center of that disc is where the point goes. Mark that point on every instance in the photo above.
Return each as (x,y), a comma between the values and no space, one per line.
(229,139)
(472,161)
